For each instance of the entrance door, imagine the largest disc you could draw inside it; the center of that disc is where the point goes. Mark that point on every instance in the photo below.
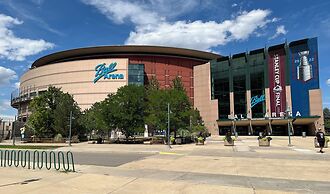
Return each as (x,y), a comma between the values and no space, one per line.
(223,130)
(258,129)
(298,129)
(242,130)
(280,130)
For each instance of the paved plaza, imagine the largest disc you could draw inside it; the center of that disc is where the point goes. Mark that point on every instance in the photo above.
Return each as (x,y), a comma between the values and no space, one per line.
(212,168)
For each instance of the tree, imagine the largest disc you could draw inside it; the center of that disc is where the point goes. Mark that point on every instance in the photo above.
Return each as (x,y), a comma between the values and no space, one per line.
(156,116)
(153,84)
(198,128)
(182,111)
(126,109)
(41,118)
(51,111)
(105,115)
(64,105)
(177,84)
(180,106)
(326,114)
(156,110)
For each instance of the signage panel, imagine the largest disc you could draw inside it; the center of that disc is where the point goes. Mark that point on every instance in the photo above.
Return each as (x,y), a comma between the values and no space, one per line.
(304,74)
(276,63)
(256,100)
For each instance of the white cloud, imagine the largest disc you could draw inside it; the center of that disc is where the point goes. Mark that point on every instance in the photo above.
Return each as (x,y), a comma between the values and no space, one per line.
(198,34)
(145,12)
(6,75)
(279,31)
(7,117)
(328,82)
(15,48)
(17,84)
(4,105)
(152,28)
(119,11)
(234,5)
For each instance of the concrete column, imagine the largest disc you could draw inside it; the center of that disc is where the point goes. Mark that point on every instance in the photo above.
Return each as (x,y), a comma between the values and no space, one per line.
(267,97)
(202,98)
(315,108)
(248,104)
(232,110)
(288,96)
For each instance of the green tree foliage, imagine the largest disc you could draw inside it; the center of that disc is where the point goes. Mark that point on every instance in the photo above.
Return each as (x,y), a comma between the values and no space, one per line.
(156,110)
(180,106)
(153,84)
(326,114)
(133,106)
(51,112)
(64,106)
(182,117)
(126,109)
(94,119)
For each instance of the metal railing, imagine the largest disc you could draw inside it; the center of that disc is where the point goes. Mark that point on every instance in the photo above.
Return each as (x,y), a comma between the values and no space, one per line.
(39,159)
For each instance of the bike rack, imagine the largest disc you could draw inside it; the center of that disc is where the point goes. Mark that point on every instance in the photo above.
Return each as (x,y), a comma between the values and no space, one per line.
(49,159)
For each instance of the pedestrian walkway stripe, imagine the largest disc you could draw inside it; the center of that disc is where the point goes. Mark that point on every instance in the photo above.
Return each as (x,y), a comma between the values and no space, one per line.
(170,153)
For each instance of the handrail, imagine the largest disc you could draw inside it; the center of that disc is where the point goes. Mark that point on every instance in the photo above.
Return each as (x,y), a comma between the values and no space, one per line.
(39,159)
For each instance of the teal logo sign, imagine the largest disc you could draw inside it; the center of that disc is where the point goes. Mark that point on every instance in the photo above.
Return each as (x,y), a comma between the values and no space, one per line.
(257,99)
(107,72)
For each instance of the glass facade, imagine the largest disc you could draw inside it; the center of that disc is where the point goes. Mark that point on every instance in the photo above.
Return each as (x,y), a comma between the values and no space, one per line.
(257,83)
(221,86)
(255,89)
(136,74)
(239,69)
(240,74)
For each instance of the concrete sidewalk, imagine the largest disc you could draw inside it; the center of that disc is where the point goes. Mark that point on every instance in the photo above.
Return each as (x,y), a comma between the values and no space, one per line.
(212,168)
(30,181)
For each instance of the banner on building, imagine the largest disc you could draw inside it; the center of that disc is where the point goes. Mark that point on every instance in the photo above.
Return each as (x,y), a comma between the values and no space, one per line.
(277,64)
(304,73)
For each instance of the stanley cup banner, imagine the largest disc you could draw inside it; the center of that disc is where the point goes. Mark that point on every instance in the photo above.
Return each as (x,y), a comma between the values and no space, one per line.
(276,63)
(304,74)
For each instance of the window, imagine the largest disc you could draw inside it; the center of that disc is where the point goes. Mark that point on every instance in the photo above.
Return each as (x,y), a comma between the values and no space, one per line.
(136,74)
(239,94)
(220,87)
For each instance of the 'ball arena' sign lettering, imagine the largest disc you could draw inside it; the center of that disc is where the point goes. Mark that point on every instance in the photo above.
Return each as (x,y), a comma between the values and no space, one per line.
(107,72)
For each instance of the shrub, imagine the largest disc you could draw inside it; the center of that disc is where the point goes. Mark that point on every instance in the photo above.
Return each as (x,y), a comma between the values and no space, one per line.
(233,138)
(265,138)
(172,139)
(58,138)
(200,139)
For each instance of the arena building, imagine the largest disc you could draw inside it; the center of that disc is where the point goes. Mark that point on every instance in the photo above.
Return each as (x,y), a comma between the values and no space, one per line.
(90,74)
(275,88)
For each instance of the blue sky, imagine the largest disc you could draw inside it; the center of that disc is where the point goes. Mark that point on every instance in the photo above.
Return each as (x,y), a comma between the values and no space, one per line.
(33,28)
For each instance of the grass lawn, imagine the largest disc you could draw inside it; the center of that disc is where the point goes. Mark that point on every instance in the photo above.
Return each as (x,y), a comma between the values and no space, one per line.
(30,147)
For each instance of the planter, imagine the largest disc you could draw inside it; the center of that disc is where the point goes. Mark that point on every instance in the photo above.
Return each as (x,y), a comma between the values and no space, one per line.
(316,144)
(228,143)
(178,140)
(200,142)
(166,142)
(264,142)
(147,142)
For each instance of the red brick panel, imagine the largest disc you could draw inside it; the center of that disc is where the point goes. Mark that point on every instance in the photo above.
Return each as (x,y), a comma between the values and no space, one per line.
(166,69)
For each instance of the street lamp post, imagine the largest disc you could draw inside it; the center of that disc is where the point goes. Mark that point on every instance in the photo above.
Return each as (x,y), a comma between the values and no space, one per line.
(168,125)
(70,128)
(13,131)
(288,117)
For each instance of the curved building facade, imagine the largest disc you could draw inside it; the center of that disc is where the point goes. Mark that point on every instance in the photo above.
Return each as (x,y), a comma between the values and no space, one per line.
(90,74)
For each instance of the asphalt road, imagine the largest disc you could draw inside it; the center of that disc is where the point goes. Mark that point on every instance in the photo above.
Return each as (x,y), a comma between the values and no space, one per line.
(111,159)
